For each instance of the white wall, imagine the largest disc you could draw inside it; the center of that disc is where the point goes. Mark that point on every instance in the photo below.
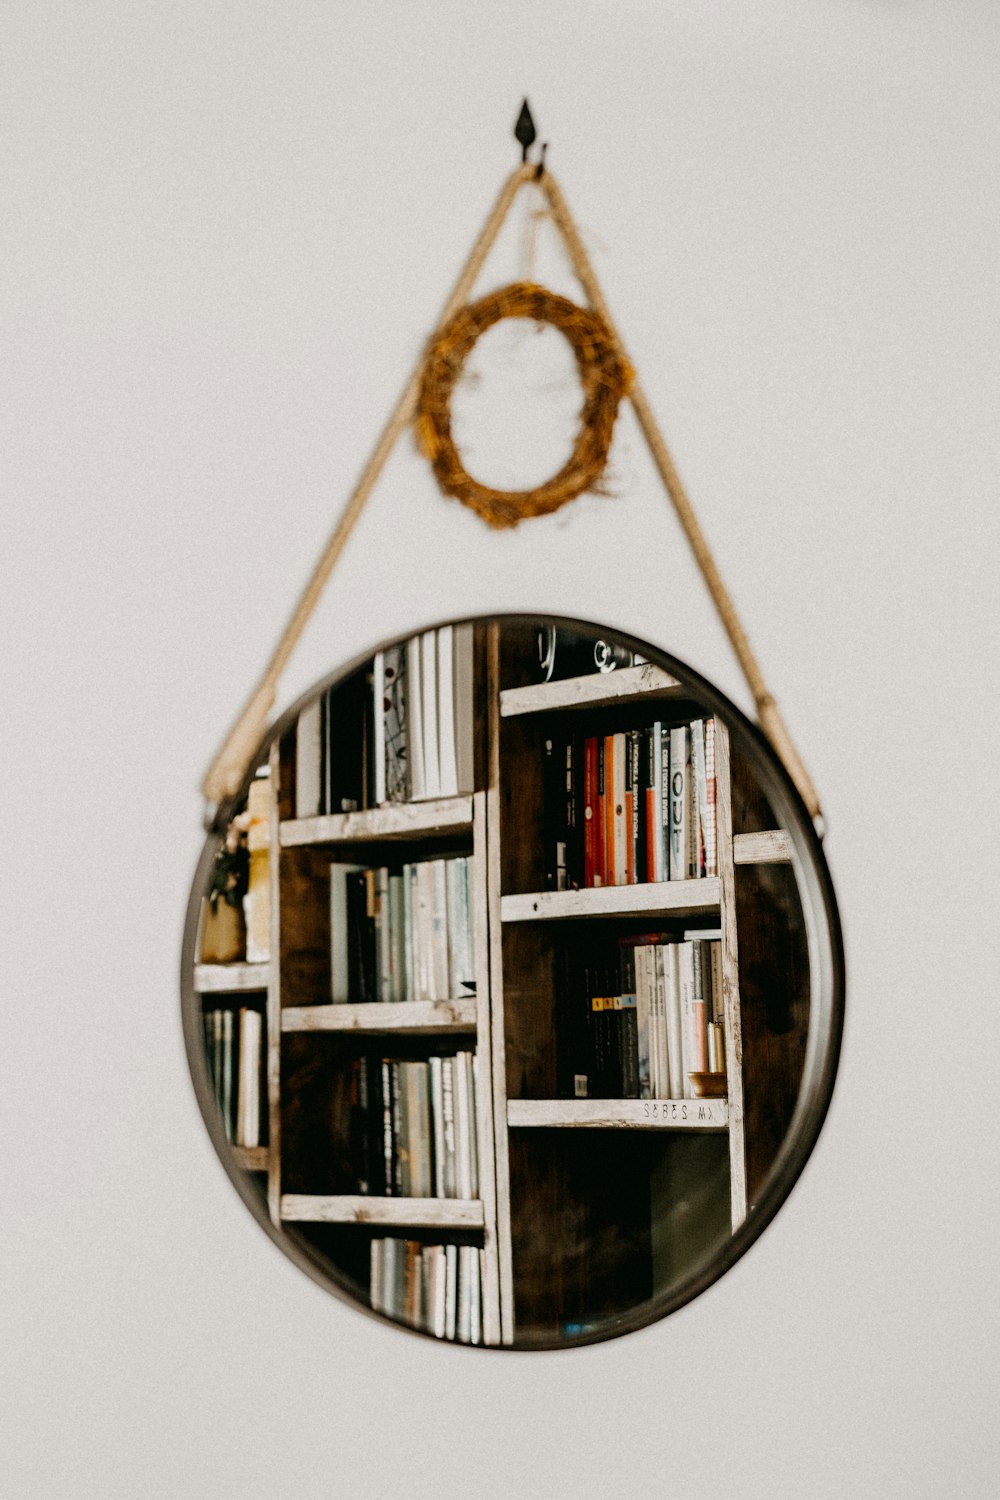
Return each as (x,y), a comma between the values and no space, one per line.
(227,230)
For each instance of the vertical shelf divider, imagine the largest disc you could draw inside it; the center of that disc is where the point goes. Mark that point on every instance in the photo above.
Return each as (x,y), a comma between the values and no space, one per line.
(499,1054)
(274,999)
(730,976)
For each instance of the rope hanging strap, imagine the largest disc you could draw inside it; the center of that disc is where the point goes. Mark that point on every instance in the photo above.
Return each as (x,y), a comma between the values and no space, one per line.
(228,769)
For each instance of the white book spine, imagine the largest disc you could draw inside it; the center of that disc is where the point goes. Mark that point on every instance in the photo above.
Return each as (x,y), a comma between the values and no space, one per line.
(689,1045)
(248,1107)
(423,932)
(451,1292)
(643,1028)
(698,765)
(308,758)
(473,1082)
(429,696)
(377,1257)
(711,827)
(465,717)
(659,971)
(439,1312)
(437,1120)
(450,1171)
(340,991)
(439,922)
(654,828)
(447,758)
(463,1125)
(675,1029)
(384,933)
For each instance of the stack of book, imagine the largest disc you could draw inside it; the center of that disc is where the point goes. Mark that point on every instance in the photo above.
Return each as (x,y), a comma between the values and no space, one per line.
(638,1027)
(631,807)
(399,731)
(405,934)
(437,1288)
(413,1126)
(234,1045)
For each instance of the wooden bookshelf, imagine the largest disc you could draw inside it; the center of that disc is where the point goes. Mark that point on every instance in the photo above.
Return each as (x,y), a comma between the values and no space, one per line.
(394,1213)
(598,690)
(618,1114)
(400,1018)
(673,898)
(407,821)
(550,1168)
(231,979)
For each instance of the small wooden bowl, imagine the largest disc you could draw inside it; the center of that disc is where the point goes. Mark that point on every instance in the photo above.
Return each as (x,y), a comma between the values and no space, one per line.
(708,1085)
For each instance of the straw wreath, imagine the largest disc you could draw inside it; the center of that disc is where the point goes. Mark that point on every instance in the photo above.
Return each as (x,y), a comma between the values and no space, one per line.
(604,374)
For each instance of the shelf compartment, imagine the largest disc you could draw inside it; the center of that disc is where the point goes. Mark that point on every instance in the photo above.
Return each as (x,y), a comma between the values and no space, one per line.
(618,1114)
(356,1208)
(396,821)
(231,979)
(596,690)
(425,1017)
(669,898)
(769,847)
(252,1158)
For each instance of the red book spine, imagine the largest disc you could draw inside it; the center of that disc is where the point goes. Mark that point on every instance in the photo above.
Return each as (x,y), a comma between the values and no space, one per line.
(590,819)
(601,852)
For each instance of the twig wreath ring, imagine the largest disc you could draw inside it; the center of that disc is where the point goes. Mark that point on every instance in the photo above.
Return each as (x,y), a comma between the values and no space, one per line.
(605,376)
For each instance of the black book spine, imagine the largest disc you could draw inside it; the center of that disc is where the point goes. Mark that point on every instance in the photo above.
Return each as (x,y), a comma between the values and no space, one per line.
(552,815)
(630,1053)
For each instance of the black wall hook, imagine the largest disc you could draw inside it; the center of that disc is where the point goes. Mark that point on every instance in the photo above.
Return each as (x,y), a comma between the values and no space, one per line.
(524,130)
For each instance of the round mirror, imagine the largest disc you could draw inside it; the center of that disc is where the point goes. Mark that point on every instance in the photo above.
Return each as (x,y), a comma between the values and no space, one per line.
(513,984)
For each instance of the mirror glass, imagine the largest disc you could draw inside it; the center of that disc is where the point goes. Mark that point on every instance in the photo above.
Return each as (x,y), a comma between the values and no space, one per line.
(513,985)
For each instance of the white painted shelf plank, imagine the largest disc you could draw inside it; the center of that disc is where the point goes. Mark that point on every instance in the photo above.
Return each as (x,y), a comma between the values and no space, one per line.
(772,847)
(397,820)
(230,979)
(356,1208)
(618,1114)
(397,1017)
(596,690)
(664,898)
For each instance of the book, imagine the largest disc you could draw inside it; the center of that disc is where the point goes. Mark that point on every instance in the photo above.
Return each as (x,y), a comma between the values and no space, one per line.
(680,804)
(309,759)
(465,706)
(429,709)
(593,823)
(415,719)
(711,793)
(622,824)
(395,743)
(447,747)
(251,1029)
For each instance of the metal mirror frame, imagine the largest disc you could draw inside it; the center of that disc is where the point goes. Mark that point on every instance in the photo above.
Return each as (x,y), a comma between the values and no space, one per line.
(827,985)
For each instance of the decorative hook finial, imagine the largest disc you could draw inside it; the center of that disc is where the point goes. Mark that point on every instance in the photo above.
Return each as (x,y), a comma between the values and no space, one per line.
(524,130)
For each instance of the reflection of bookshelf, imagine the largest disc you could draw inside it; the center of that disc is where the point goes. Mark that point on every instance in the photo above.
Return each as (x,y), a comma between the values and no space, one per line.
(380,1232)
(232,990)
(584,1206)
(630,1191)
